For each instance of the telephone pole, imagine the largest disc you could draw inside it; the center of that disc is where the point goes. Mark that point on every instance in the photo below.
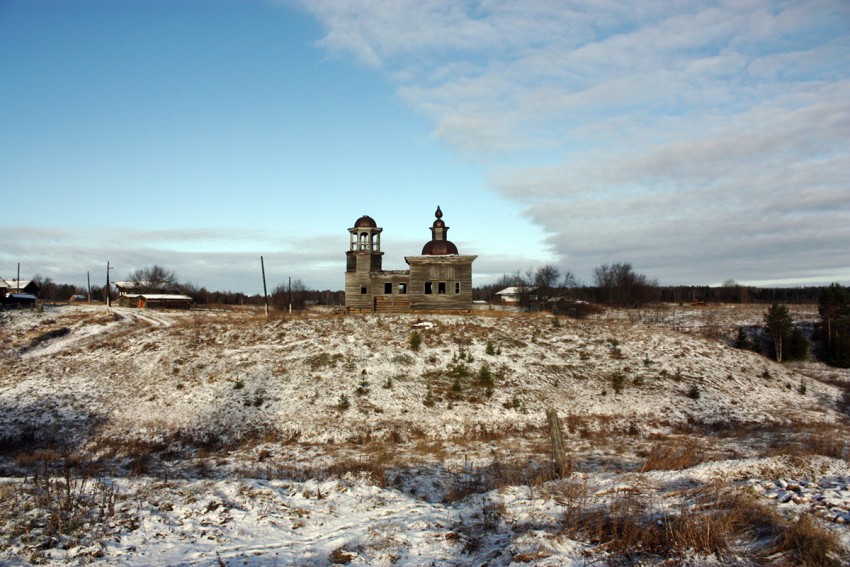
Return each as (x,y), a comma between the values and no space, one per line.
(108,290)
(265,290)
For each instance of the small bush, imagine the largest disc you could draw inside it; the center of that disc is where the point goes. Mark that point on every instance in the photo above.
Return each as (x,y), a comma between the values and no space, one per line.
(343,403)
(362,388)
(618,381)
(429,400)
(490,350)
(485,375)
(415,341)
(694,392)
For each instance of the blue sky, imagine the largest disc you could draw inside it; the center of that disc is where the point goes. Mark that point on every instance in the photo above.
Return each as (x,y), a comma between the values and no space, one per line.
(699,141)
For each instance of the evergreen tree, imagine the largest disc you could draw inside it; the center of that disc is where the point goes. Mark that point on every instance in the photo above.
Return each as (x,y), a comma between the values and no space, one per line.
(834,309)
(778,323)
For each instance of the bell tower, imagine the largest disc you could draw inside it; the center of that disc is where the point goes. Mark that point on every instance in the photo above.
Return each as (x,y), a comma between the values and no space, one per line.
(363,257)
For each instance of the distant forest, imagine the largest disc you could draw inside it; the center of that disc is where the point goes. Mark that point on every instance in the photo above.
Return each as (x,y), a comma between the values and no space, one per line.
(299,295)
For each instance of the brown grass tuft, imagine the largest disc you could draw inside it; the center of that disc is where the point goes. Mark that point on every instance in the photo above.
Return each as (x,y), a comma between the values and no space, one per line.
(807,542)
(673,455)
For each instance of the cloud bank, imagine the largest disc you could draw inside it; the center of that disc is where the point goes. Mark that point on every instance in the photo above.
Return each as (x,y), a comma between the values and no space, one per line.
(699,141)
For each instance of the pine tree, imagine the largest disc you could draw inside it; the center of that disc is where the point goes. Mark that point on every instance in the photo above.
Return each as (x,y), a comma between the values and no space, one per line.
(778,324)
(834,309)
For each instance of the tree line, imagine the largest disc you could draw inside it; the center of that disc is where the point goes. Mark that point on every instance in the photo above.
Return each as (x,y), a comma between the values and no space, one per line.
(158,279)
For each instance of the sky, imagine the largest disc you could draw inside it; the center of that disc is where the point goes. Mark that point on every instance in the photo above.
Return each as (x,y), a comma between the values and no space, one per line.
(699,141)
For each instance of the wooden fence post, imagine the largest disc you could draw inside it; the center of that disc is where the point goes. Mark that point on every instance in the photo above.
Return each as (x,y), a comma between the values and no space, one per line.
(562,465)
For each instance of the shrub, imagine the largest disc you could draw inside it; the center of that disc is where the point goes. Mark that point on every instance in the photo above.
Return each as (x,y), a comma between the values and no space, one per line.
(618,380)
(798,346)
(485,375)
(513,403)
(694,392)
(429,398)
(490,350)
(415,341)
(343,404)
(362,388)
(742,341)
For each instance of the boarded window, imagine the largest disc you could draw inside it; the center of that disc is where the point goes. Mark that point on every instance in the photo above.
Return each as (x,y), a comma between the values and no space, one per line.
(441,287)
(428,289)
(388,288)
(402,288)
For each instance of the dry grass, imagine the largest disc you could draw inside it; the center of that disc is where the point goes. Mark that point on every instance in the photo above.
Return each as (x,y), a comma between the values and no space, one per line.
(673,455)
(807,542)
(708,521)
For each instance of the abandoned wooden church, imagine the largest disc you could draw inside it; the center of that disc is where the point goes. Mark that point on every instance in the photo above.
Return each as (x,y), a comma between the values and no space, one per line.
(439,279)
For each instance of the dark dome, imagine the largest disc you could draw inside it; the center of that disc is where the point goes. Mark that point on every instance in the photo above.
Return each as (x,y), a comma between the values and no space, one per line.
(439,248)
(365,222)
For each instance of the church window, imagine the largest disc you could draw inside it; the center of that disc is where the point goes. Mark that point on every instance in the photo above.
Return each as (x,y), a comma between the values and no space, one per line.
(428,289)
(402,288)
(388,288)
(457,287)
(363,290)
(441,288)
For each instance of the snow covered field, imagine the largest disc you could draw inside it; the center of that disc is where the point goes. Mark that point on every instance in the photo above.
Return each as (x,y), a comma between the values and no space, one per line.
(222,437)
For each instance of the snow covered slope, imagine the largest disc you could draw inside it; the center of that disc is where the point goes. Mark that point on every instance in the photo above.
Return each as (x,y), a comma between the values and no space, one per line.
(409,455)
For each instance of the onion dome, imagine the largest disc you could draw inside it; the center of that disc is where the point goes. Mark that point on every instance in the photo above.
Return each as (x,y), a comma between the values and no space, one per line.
(365,222)
(439,248)
(439,245)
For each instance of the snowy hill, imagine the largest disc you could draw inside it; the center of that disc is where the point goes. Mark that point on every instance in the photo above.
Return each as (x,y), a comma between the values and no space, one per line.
(224,436)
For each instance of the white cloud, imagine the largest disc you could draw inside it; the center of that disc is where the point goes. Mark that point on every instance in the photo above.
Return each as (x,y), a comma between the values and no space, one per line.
(698,140)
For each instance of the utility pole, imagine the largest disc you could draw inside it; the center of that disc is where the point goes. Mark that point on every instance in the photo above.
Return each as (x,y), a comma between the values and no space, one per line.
(88,283)
(108,291)
(265,290)
(289,294)
(18,284)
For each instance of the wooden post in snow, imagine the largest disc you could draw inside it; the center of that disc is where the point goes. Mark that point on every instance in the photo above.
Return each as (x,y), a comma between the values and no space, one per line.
(562,465)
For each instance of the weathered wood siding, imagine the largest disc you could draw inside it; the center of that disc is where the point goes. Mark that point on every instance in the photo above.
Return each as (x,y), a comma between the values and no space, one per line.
(452,271)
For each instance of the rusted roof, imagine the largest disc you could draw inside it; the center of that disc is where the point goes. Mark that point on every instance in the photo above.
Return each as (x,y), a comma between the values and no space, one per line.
(439,248)
(365,222)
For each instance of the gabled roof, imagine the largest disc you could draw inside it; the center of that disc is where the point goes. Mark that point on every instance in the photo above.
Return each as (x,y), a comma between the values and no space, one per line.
(515,290)
(14,284)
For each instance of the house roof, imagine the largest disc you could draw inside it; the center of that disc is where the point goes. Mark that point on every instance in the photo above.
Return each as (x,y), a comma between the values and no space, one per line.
(161,296)
(14,284)
(515,290)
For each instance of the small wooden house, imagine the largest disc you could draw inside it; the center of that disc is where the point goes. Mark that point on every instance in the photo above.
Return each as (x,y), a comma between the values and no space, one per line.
(155,301)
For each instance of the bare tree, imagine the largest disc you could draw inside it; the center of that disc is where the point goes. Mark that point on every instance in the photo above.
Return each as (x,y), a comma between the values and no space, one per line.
(620,285)
(154,279)
(294,294)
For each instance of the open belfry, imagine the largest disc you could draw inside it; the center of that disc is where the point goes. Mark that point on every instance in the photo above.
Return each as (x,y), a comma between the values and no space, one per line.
(439,279)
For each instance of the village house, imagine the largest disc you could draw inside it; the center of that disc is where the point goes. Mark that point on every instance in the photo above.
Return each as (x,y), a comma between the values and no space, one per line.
(147,295)
(439,279)
(18,293)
